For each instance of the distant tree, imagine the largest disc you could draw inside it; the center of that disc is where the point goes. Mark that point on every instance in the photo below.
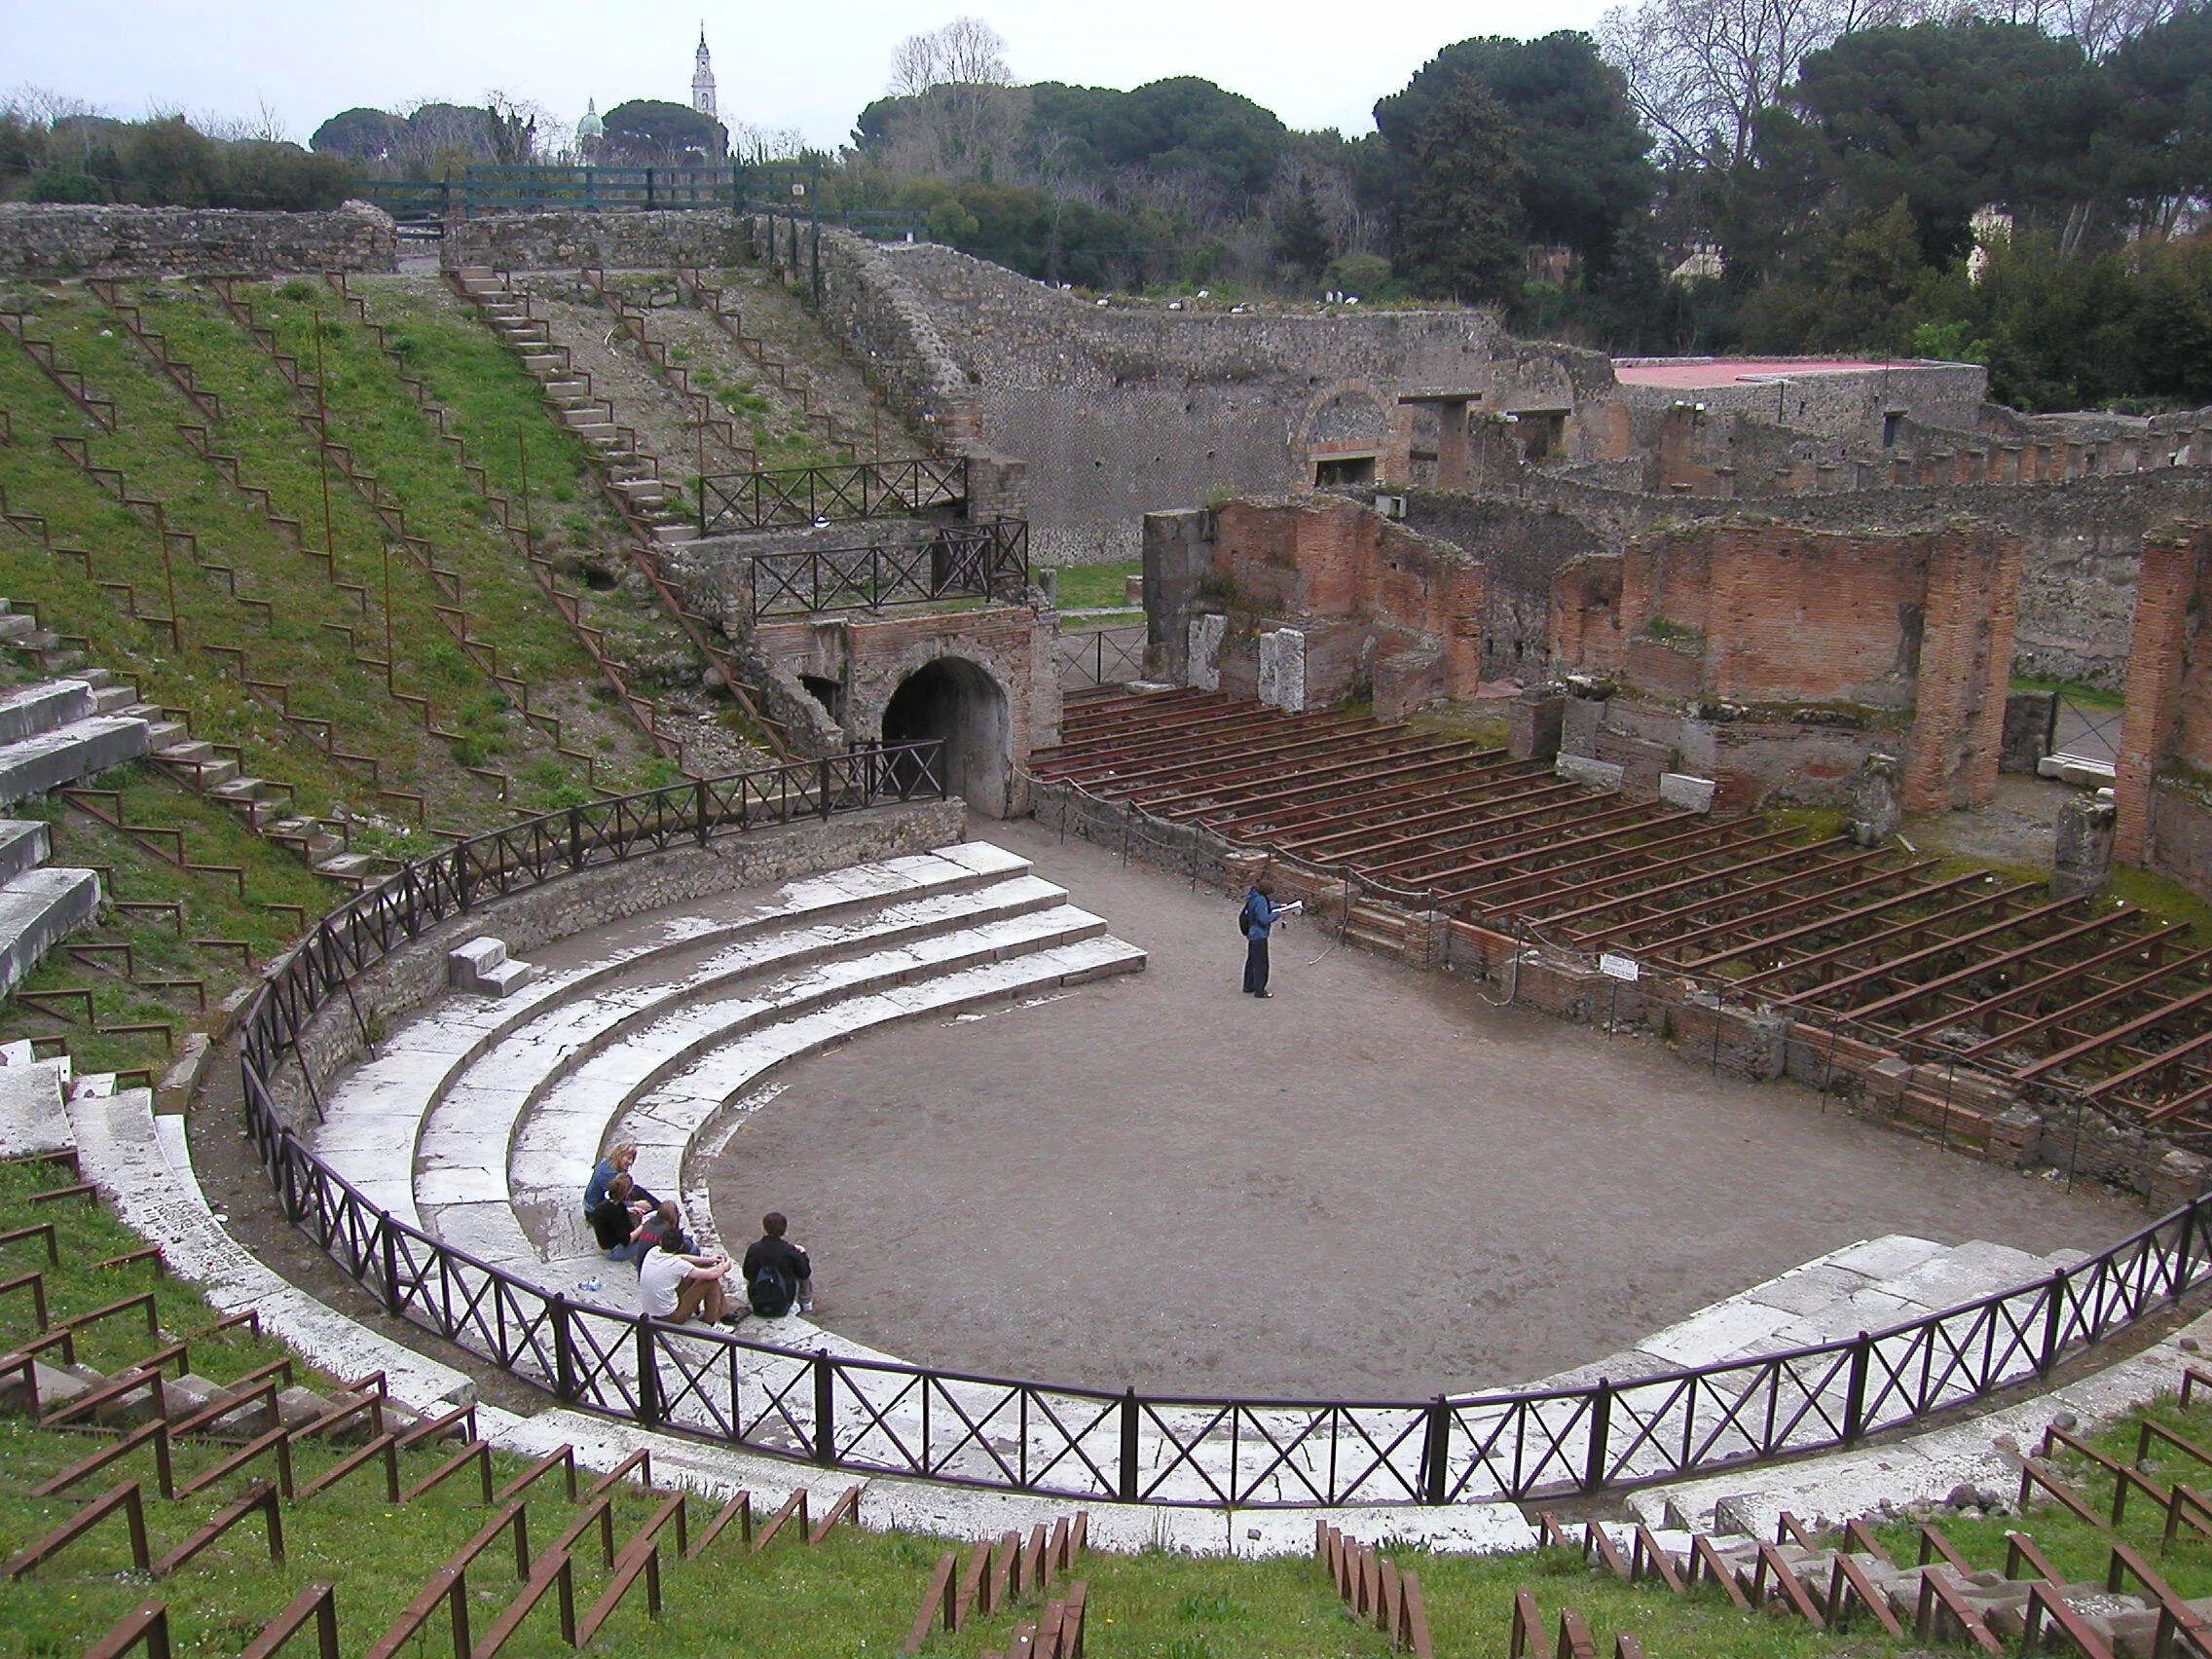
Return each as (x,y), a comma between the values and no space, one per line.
(169,162)
(1577,135)
(513,127)
(361,134)
(259,174)
(1700,71)
(2158,143)
(966,53)
(1185,125)
(1460,231)
(1302,234)
(645,130)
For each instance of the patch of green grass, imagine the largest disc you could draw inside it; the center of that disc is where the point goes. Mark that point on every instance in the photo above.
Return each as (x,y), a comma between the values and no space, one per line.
(1081,587)
(2073,690)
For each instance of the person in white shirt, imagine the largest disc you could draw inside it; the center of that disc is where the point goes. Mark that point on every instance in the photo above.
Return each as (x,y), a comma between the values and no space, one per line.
(678,1287)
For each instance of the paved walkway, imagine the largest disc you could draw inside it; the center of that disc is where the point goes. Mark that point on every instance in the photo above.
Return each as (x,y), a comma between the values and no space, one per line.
(1373,1185)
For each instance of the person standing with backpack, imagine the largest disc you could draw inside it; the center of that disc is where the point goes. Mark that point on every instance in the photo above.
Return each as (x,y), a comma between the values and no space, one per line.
(1255,922)
(778,1276)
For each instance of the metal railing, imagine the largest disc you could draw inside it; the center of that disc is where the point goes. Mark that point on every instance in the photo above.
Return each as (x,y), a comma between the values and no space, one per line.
(880,1417)
(1099,656)
(989,561)
(846,491)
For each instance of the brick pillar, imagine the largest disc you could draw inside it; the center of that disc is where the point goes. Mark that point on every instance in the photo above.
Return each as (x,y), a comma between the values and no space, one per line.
(2157,665)
(1973,466)
(1964,670)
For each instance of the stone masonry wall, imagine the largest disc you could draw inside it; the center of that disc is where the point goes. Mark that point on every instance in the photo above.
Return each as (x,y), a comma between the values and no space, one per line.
(52,239)
(1131,408)
(615,242)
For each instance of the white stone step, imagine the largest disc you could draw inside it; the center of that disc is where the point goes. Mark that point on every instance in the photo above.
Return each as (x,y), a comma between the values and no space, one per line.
(553,1151)
(32,1117)
(381,1104)
(39,908)
(24,844)
(570,1045)
(80,749)
(25,710)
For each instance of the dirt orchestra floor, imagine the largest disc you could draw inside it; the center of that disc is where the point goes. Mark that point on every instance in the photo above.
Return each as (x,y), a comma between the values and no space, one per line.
(1373,1185)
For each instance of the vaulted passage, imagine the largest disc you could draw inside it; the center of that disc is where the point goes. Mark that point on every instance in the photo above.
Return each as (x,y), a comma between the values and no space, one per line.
(956,701)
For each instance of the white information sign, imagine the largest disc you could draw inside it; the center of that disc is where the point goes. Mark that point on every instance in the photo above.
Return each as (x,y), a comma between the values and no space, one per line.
(1617,966)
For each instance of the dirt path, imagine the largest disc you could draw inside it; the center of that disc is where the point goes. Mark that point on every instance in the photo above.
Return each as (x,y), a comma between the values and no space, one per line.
(1373,1185)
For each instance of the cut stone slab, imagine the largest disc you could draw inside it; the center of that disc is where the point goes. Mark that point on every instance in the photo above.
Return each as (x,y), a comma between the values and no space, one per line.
(24,846)
(25,710)
(1598,774)
(49,759)
(32,1117)
(38,909)
(481,966)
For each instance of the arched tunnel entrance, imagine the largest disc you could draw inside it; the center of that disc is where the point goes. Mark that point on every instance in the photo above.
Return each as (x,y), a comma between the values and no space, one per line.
(956,701)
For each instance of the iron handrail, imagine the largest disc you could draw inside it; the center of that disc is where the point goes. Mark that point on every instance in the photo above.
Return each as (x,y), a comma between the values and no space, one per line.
(885,1416)
(986,561)
(838,493)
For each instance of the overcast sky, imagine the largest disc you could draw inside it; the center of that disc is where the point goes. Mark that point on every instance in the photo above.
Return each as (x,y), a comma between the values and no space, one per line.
(810,66)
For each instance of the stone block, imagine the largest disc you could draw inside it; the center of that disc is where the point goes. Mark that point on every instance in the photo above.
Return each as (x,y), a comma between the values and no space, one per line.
(2082,771)
(1203,673)
(1876,800)
(1282,670)
(2081,860)
(1579,722)
(481,966)
(1532,725)
(1580,769)
(1679,789)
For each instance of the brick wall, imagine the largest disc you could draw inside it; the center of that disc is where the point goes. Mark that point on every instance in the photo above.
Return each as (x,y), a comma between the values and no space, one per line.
(1772,658)
(2165,719)
(1381,606)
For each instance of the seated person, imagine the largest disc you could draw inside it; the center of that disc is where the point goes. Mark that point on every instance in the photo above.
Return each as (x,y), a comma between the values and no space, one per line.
(778,1276)
(678,1289)
(666,1222)
(617,1161)
(616,1219)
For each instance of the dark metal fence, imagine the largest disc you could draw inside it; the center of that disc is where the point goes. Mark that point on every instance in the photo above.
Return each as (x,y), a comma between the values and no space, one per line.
(847,491)
(1099,656)
(492,188)
(1084,1442)
(989,561)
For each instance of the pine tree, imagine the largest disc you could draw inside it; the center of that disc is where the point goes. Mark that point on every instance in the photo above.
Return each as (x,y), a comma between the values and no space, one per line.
(1302,234)
(1460,231)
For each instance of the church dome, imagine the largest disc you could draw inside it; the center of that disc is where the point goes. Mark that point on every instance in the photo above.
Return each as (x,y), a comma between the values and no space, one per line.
(591,126)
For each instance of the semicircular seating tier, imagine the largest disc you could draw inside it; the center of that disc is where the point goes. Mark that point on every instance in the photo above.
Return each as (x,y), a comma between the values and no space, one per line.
(478,1121)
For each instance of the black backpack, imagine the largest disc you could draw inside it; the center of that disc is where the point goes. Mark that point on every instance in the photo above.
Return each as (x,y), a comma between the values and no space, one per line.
(1244,921)
(769,1292)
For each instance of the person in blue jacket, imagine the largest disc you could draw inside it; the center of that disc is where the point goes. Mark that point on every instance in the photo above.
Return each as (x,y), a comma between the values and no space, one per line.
(1257,918)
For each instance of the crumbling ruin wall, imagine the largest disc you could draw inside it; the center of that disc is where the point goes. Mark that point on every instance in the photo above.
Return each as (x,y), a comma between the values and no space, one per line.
(700,236)
(2079,541)
(1771,657)
(55,239)
(1378,608)
(1132,408)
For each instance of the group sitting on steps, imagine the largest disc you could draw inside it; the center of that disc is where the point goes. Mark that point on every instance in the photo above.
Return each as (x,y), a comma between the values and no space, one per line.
(675,1281)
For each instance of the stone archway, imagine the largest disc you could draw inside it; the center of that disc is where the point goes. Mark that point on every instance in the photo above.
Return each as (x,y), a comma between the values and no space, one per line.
(959,702)
(1346,436)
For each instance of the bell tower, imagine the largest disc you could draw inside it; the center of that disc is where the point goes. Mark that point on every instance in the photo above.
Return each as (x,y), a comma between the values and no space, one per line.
(703,78)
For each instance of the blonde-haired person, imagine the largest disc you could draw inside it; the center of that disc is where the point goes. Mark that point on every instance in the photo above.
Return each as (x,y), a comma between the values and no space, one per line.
(617,1161)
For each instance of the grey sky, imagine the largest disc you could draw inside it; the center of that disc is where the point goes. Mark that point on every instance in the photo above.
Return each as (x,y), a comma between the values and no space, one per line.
(811,66)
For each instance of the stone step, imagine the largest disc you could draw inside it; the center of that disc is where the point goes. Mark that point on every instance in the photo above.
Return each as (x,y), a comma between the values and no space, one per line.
(308,833)
(33,1116)
(35,765)
(405,1092)
(38,909)
(26,711)
(669,535)
(346,867)
(112,699)
(240,791)
(24,844)
(15,628)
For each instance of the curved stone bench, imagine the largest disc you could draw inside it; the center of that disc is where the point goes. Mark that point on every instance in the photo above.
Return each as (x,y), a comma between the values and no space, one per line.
(381,1104)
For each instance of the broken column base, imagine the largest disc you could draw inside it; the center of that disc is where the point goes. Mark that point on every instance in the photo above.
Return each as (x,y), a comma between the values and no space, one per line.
(2083,858)
(1876,800)
(483,966)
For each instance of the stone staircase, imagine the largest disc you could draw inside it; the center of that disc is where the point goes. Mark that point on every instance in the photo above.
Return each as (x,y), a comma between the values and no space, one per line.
(629,475)
(479,1120)
(53,734)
